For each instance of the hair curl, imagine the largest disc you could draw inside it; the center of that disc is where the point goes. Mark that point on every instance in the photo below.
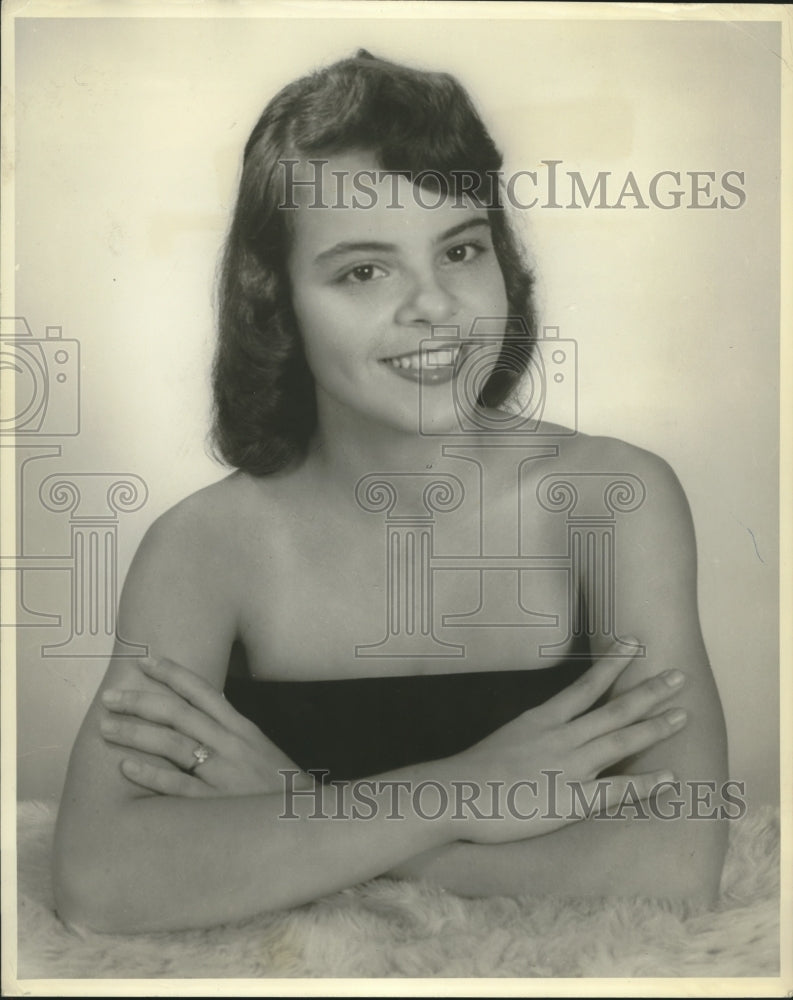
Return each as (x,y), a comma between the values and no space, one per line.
(413,122)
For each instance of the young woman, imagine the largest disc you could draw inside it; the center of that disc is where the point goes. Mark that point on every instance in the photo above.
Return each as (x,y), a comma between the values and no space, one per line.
(370,221)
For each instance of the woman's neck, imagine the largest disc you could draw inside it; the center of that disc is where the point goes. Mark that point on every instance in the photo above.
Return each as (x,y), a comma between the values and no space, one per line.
(347,446)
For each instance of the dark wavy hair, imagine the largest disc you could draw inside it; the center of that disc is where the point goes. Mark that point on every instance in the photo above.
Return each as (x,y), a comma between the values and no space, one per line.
(413,122)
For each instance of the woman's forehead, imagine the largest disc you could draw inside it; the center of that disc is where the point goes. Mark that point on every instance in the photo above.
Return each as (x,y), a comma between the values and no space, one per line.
(349,198)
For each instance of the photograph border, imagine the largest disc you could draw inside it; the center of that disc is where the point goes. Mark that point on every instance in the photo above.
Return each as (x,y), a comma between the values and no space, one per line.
(780,985)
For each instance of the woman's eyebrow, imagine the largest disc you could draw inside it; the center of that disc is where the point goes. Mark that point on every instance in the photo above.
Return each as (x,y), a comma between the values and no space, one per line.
(463,227)
(374,246)
(353,246)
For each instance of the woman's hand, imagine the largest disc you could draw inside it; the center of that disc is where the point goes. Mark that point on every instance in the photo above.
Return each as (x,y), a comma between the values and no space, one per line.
(551,755)
(175,723)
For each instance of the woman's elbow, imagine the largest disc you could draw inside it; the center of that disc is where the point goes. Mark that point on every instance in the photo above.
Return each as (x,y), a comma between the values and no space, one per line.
(91,891)
(690,865)
(79,896)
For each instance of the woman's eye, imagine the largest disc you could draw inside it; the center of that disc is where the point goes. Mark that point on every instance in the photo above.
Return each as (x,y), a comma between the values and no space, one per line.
(362,273)
(464,252)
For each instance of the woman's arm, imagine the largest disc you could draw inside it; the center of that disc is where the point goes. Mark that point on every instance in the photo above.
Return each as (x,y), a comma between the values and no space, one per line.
(129,860)
(655,599)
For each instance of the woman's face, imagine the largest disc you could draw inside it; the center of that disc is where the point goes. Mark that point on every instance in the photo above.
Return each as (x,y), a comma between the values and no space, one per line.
(370,282)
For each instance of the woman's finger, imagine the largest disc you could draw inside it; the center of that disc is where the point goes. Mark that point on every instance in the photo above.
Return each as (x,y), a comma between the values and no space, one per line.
(159,741)
(585,691)
(165,709)
(633,706)
(163,780)
(192,687)
(622,743)
(605,796)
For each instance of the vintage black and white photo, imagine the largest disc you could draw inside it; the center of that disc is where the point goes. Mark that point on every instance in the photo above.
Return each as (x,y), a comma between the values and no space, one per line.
(392,573)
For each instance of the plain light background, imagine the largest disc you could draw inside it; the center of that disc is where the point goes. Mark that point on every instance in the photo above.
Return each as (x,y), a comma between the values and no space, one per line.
(129,133)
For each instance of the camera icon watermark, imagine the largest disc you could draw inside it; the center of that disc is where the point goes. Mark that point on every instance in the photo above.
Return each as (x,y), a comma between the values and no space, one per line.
(41,401)
(547,379)
(45,373)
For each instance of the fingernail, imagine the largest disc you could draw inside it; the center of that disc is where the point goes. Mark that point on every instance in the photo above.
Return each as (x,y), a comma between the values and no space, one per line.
(676,717)
(664,776)
(108,726)
(131,766)
(111,697)
(674,678)
(147,661)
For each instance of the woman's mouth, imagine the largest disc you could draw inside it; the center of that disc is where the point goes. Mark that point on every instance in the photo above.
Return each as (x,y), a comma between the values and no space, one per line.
(429,367)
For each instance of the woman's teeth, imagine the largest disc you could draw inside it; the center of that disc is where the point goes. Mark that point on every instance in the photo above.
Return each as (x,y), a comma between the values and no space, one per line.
(444,358)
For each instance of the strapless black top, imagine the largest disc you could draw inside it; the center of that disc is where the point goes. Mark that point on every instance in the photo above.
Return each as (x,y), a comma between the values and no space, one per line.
(364,726)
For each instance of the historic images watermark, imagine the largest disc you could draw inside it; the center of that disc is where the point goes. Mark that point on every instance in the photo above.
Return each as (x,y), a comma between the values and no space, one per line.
(551,186)
(549,799)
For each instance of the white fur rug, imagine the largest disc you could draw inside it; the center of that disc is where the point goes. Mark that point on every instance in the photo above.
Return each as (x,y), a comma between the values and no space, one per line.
(389,928)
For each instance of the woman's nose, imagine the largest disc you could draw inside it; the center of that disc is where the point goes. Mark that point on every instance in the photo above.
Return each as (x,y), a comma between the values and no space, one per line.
(427,301)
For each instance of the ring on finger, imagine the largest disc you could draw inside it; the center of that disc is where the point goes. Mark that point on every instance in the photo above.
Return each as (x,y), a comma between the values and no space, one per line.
(201,753)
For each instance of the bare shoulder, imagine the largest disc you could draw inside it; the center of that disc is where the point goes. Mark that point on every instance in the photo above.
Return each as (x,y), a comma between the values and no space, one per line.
(654,547)
(594,452)
(186,584)
(634,480)
(209,514)
(641,495)
(658,491)
(213,524)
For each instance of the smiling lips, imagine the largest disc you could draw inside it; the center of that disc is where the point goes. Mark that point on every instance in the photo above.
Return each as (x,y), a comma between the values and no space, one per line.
(431,367)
